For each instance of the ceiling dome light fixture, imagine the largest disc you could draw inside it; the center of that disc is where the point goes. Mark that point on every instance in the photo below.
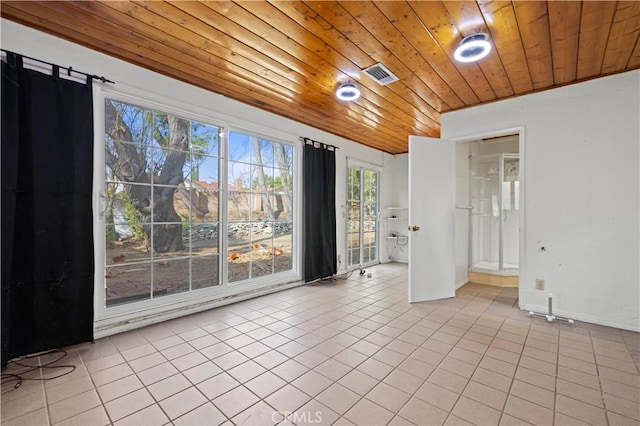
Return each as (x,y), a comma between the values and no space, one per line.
(348,92)
(473,48)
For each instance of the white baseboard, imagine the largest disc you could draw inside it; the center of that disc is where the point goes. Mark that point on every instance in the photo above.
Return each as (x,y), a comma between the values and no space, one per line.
(111,326)
(461,283)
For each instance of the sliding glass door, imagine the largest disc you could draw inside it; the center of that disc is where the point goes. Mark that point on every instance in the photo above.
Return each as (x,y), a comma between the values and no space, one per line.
(362,221)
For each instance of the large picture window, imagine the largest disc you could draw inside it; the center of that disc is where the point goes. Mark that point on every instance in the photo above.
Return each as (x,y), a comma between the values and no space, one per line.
(174,221)
(162,194)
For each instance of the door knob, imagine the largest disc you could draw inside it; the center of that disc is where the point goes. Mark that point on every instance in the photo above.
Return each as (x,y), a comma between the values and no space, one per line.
(414,228)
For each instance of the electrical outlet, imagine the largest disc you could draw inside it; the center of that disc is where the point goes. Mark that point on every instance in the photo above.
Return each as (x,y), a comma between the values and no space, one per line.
(539,284)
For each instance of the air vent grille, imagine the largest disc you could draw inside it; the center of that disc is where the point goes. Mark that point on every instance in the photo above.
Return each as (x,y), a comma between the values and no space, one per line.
(381,74)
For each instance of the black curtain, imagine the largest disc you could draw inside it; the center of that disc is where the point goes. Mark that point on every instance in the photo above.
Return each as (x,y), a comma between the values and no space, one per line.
(47,235)
(320,251)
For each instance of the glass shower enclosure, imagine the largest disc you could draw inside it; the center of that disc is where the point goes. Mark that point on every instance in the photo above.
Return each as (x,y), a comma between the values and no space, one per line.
(495,221)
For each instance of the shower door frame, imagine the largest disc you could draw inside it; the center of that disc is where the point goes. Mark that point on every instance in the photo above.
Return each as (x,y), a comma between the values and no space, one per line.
(501,270)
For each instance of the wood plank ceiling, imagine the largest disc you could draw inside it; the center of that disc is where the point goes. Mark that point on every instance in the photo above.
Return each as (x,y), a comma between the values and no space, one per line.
(288,57)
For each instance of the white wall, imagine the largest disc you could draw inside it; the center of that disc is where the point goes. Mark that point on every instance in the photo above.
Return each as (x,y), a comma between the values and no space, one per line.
(397,167)
(582,194)
(151,86)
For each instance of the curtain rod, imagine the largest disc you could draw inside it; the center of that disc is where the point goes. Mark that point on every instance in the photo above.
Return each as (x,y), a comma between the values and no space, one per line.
(69,69)
(326,144)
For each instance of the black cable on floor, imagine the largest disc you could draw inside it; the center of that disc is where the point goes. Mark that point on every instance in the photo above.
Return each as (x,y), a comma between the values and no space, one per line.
(344,276)
(19,377)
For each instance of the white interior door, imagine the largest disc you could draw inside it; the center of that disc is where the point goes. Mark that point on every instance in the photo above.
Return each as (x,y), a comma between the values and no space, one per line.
(431,219)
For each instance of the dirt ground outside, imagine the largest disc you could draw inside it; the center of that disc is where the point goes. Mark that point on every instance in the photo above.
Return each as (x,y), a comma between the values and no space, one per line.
(129,266)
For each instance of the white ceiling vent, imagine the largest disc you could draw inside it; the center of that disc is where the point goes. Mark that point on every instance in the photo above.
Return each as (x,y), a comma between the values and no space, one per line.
(381,74)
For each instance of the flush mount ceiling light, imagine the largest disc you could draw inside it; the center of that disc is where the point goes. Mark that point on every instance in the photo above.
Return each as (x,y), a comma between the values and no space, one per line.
(473,48)
(348,92)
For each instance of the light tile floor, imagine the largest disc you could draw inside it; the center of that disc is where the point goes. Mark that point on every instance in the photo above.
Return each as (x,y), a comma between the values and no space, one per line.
(347,352)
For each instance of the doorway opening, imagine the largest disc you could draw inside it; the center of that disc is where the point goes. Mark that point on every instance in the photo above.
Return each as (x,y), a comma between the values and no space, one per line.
(494,220)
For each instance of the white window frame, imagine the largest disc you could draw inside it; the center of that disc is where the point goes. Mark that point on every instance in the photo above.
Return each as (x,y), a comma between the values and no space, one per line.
(119,318)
